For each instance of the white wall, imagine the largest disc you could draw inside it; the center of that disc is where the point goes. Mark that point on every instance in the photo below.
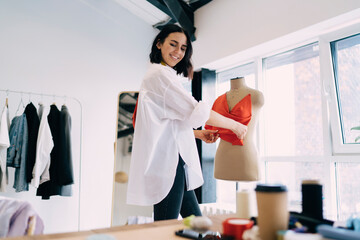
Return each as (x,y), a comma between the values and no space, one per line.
(228,27)
(69,48)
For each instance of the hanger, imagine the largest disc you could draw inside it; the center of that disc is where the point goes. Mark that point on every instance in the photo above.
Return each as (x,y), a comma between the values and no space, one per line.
(29,97)
(40,103)
(54,103)
(20,103)
(7,98)
(64,100)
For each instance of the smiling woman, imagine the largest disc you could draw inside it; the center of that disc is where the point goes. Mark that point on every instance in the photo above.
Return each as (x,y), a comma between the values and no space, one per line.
(173,49)
(165,166)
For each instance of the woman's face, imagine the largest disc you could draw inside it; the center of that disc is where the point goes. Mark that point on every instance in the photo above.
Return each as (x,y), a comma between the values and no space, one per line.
(173,48)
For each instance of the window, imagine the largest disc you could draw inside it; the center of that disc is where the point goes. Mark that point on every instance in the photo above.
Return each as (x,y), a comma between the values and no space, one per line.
(312,102)
(343,84)
(293,114)
(346,63)
(293,128)
(292,174)
(348,189)
(223,78)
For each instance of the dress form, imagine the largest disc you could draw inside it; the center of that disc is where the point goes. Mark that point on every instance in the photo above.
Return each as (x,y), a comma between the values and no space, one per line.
(236,162)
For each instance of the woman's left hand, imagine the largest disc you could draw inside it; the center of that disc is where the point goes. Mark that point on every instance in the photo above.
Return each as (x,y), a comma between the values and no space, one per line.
(208,136)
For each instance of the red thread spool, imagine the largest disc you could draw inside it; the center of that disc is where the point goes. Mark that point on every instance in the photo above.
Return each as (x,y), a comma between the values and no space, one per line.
(235,227)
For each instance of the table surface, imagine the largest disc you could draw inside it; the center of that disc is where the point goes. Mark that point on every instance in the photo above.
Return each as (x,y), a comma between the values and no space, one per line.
(159,230)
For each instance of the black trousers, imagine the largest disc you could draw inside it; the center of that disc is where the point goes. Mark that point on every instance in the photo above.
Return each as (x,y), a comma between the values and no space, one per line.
(179,200)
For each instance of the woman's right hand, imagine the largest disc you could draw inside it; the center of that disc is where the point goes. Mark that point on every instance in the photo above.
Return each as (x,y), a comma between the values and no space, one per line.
(239,129)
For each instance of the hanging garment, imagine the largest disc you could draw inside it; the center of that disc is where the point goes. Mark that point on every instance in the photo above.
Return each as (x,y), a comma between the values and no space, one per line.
(66,165)
(165,118)
(15,218)
(33,124)
(17,152)
(44,145)
(4,144)
(52,187)
(66,190)
(241,113)
(61,162)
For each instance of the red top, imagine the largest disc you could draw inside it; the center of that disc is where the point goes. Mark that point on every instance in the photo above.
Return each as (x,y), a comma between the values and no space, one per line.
(241,113)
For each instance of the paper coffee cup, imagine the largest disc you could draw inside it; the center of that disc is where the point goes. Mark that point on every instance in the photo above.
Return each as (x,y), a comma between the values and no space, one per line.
(273,214)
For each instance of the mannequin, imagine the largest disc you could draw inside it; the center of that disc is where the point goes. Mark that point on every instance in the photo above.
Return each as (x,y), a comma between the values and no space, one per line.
(240,162)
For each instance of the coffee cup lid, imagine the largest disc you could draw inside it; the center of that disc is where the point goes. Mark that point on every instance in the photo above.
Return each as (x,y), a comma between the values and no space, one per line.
(270,188)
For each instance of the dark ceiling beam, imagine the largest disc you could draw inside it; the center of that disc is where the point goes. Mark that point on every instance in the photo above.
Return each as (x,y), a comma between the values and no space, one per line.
(161,6)
(179,11)
(195,4)
(182,14)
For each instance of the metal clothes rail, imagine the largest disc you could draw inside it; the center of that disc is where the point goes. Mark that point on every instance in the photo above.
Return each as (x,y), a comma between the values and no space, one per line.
(7,91)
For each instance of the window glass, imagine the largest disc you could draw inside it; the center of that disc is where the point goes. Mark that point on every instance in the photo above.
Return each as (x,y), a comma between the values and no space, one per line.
(292,174)
(223,78)
(348,189)
(346,63)
(292,109)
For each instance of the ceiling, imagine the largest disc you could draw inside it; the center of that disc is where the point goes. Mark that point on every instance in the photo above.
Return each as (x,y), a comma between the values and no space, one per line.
(161,12)
(144,10)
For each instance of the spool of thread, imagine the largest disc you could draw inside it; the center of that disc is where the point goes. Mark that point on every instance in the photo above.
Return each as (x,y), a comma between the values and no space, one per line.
(243,204)
(235,227)
(312,202)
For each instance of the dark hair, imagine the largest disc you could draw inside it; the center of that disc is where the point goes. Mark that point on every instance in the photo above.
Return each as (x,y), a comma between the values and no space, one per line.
(184,66)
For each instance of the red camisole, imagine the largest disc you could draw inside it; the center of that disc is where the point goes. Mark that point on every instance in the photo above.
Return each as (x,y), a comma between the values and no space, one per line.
(241,113)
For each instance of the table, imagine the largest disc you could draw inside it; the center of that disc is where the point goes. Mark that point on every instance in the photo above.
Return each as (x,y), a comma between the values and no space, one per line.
(159,230)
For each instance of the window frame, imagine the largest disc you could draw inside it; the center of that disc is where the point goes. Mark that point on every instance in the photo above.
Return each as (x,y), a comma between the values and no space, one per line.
(327,74)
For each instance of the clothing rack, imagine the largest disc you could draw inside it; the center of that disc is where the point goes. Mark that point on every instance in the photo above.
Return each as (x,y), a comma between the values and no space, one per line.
(7,91)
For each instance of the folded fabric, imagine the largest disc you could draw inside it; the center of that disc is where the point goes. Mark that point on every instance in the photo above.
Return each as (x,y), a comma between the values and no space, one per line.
(15,217)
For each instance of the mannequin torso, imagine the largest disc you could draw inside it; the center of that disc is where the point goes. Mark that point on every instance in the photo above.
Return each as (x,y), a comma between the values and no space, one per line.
(236,162)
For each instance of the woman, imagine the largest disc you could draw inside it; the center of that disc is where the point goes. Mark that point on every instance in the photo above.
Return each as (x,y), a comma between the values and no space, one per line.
(165,166)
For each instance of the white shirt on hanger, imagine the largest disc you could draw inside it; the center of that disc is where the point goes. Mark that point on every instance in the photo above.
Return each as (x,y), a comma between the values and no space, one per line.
(166,116)
(44,147)
(4,144)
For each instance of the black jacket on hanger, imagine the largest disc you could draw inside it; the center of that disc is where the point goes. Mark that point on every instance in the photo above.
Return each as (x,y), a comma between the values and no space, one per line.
(65,138)
(33,123)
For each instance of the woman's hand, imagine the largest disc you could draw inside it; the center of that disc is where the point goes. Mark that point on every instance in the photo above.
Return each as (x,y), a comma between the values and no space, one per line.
(239,129)
(208,136)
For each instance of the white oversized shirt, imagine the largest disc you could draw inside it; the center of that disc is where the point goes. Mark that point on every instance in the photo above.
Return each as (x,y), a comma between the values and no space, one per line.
(166,116)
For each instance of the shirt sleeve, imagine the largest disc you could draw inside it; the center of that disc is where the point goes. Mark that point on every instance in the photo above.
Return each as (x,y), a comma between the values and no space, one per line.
(180,105)
(4,131)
